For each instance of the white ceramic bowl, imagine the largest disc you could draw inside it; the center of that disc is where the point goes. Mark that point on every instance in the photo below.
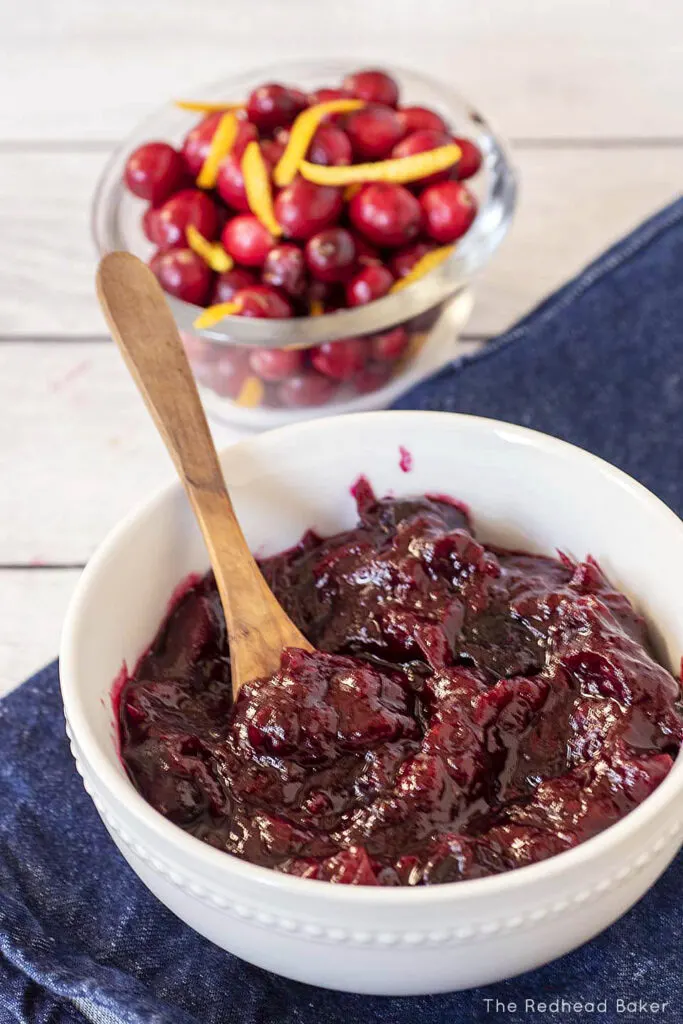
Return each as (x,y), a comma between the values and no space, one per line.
(526,490)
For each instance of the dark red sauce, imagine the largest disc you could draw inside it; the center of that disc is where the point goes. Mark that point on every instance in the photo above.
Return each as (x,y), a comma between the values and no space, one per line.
(470,710)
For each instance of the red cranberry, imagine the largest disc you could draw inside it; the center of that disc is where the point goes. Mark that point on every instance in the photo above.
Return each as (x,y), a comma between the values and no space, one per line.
(389,345)
(272,150)
(422,142)
(470,160)
(330,147)
(247,240)
(230,180)
(403,260)
(154,171)
(304,208)
(373,132)
(198,140)
(230,282)
(340,360)
(305,390)
(373,87)
(449,209)
(227,375)
(259,300)
(370,283)
(273,105)
(387,214)
(325,95)
(285,268)
(331,296)
(365,252)
(372,378)
(149,223)
(273,364)
(417,119)
(181,272)
(331,254)
(191,206)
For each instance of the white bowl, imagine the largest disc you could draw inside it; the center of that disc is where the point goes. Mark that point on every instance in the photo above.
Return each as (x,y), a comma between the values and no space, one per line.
(525,490)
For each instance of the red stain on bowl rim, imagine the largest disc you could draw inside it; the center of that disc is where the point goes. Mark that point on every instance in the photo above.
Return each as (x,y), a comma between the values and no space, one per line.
(405,459)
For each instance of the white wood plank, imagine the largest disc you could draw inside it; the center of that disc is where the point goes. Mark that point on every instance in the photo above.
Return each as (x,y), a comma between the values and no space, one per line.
(33,603)
(572,204)
(87,69)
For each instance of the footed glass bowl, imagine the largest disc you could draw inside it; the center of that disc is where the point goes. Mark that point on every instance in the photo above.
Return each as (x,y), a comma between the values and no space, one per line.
(409,333)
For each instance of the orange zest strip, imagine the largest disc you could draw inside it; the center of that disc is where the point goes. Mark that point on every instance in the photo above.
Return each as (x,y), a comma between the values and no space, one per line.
(213,254)
(221,144)
(302,132)
(352,190)
(257,186)
(399,171)
(316,308)
(206,106)
(428,262)
(251,393)
(213,315)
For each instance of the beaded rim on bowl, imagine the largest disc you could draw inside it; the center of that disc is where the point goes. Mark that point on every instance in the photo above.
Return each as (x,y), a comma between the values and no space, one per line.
(472,251)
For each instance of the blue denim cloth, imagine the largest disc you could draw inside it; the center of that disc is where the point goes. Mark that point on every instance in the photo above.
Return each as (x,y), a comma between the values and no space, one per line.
(82,940)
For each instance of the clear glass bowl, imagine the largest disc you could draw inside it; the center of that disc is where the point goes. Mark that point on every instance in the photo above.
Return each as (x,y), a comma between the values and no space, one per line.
(426,311)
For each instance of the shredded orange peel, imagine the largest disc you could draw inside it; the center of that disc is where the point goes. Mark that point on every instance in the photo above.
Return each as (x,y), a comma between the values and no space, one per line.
(316,308)
(207,106)
(221,144)
(398,171)
(213,315)
(423,266)
(257,186)
(213,253)
(301,135)
(251,393)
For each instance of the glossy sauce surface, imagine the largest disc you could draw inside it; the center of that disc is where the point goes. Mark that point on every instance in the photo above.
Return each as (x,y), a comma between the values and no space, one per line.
(470,710)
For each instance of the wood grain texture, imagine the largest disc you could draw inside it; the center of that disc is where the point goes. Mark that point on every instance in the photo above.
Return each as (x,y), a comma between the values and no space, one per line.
(572,204)
(582,68)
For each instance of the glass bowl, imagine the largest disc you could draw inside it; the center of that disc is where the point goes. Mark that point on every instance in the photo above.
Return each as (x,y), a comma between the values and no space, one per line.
(425,315)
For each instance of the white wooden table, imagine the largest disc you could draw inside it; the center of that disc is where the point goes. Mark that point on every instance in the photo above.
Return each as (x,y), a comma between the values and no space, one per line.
(589,92)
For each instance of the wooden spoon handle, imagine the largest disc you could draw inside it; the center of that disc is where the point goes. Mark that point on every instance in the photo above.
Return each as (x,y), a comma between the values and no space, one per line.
(143,326)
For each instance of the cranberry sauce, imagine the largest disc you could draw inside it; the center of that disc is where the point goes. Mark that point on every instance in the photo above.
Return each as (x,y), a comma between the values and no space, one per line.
(470,710)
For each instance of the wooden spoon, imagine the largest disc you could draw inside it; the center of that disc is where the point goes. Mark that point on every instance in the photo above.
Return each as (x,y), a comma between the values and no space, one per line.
(143,326)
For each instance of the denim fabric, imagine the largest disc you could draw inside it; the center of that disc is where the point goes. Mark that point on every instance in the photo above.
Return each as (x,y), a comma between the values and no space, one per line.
(82,940)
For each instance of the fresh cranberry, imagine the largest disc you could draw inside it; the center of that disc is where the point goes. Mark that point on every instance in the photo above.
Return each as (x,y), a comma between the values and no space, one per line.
(417,119)
(226,376)
(365,251)
(325,95)
(230,282)
(149,224)
(247,240)
(373,87)
(274,364)
(331,254)
(387,214)
(154,171)
(372,378)
(230,180)
(330,147)
(373,132)
(389,345)
(191,206)
(340,360)
(403,260)
(273,105)
(449,209)
(198,140)
(304,208)
(421,142)
(470,159)
(305,390)
(330,295)
(285,268)
(370,283)
(181,272)
(260,300)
